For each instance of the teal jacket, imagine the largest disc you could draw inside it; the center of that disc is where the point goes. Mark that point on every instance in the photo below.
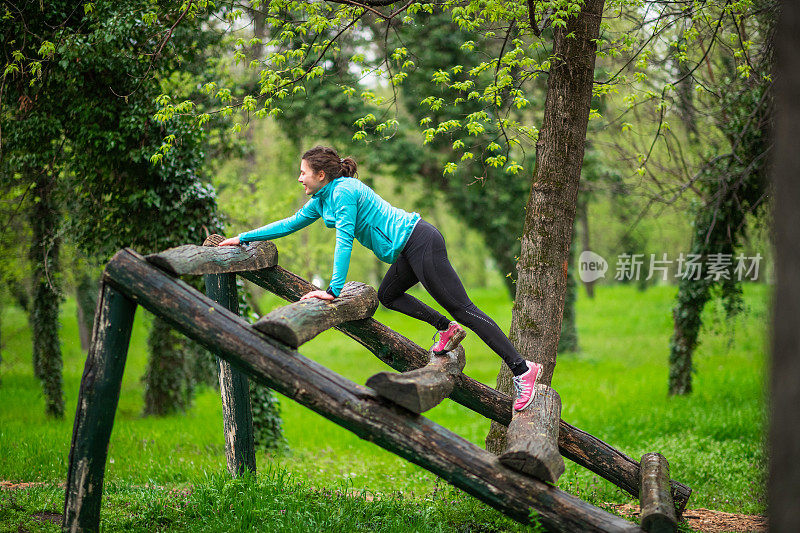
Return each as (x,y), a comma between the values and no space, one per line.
(354,210)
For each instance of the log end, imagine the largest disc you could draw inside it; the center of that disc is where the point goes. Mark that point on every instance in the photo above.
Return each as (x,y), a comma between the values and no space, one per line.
(659,523)
(281,331)
(213,240)
(404,390)
(545,465)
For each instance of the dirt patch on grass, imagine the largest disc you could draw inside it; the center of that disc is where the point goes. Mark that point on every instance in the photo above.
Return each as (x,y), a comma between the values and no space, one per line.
(45,516)
(11,485)
(709,521)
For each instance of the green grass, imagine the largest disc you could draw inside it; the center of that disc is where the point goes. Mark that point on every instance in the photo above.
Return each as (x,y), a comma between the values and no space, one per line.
(615,388)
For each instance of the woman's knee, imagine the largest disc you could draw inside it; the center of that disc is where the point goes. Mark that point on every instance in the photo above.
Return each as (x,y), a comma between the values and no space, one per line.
(385,297)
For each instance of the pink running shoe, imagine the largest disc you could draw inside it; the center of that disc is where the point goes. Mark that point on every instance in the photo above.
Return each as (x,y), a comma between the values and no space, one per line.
(448,339)
(525,385)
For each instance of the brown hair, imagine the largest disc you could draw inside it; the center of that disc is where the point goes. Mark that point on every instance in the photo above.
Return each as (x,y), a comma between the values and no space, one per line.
(323,158)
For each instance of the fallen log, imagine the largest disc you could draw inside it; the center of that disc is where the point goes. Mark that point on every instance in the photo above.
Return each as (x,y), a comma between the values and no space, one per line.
(533,437)
(657,508)
(190,259)
(354,407)
(301,321)
(424,388)
(402,354)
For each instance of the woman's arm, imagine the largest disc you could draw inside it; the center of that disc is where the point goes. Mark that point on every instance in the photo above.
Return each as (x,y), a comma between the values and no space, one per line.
(302,218)
(345,232)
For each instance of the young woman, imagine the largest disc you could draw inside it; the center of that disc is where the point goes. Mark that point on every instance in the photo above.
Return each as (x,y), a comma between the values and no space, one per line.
(413,247)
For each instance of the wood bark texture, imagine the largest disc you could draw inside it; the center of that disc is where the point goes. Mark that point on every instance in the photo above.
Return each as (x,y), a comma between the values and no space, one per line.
(97,405)
(237,414)
(655,501)
(533,437)
(424,388)
(301,321)
(354,407)
(190,259)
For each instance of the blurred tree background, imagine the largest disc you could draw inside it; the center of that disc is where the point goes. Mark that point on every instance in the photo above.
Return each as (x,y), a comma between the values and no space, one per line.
(129,125)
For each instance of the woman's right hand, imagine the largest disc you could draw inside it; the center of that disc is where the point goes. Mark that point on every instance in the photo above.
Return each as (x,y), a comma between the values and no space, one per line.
(233,241)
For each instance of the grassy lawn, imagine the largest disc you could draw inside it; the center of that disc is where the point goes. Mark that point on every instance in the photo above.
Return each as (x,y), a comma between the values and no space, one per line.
(169,473)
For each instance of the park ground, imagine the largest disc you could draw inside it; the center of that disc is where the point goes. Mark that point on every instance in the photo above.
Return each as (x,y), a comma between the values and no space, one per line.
(169,474)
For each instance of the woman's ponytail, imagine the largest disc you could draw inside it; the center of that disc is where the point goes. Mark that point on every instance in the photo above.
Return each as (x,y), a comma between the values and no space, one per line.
(323,158)
(349,167)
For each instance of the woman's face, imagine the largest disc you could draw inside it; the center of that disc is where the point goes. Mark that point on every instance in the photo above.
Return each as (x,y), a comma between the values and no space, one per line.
(311,182)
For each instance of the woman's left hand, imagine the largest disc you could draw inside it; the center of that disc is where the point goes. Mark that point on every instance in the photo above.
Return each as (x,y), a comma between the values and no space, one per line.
(322,295)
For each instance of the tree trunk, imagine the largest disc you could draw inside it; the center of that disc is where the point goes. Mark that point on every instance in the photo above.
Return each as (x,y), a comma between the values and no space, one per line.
(47,363)
(550,213)
(168,371)
(690,301)
(784,433)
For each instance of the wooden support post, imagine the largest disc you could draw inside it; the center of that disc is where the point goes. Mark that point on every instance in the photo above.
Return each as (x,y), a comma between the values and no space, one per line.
(424,388)
(402,354)
(655,500)
(195,260)
(97,404)
(237,414)
(533,437)
(355,407)
(301,321)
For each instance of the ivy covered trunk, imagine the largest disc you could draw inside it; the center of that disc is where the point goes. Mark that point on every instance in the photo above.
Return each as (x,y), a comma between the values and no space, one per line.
(168,383)
(550,212)
(691,299)
(735,186)
(44,250)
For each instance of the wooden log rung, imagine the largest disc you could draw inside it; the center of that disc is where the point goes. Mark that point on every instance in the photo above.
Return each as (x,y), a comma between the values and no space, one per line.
(424,388)
(533,437)
(655,500)
(190,259)
(402,354)
(301,321)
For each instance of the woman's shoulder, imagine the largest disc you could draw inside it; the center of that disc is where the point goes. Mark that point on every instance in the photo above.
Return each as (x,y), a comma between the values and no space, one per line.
(347,187)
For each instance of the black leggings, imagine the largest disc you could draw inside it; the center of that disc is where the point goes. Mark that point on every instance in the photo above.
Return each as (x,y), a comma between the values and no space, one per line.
(424,259)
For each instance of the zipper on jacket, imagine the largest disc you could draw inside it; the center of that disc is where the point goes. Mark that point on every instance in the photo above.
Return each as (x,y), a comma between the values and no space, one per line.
(384,235)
